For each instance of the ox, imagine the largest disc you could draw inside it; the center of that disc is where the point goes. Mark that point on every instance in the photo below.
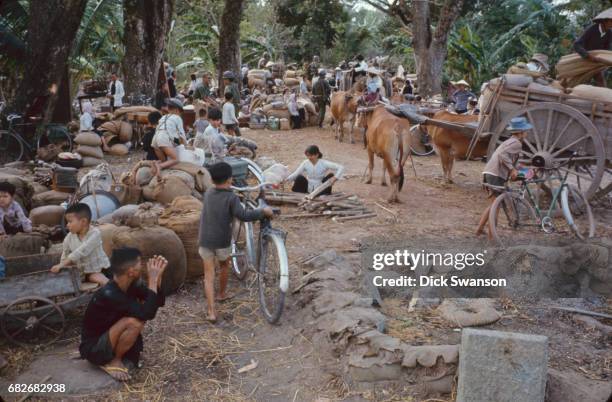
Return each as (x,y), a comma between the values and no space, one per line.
(451,144)
(388,137)
(343,109)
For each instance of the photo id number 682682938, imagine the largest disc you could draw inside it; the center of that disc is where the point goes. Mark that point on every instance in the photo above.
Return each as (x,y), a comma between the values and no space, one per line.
(36,388)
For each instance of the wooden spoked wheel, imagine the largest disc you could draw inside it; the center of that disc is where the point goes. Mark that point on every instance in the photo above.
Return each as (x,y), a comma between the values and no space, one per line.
(32,321)
(558,131)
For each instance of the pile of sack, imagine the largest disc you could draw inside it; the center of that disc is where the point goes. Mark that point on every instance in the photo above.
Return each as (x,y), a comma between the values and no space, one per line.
(89,148)
(118,136)
(275,106)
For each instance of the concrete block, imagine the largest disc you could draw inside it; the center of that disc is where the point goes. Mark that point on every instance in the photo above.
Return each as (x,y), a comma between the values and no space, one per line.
(502,366)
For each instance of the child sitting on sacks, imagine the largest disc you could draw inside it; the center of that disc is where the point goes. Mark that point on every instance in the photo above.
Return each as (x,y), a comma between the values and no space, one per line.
(221,207)
(12,218)
(83,246)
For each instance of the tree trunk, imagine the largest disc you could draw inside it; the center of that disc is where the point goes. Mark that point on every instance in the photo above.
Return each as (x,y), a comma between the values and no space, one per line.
(430,48)
(52,27)
(146,26)
(229,40)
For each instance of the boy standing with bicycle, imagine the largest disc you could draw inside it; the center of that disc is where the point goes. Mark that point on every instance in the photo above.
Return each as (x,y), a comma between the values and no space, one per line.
(221,207)
(502,165)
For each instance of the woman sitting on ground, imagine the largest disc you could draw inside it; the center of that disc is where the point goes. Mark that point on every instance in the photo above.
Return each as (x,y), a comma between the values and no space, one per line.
(168,135)
(314,171)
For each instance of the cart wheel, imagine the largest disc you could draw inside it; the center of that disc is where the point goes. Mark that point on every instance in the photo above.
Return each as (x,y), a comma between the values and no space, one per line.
(32,321)
(558,130)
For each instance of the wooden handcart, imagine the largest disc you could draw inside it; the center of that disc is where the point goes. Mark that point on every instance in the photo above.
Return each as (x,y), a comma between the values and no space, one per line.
(33,300)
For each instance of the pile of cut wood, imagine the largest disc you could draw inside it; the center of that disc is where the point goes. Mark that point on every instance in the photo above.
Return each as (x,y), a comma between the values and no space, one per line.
(339,206)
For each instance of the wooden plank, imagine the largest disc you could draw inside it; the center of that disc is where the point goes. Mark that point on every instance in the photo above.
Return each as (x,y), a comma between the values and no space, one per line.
(30,263)
(43,284)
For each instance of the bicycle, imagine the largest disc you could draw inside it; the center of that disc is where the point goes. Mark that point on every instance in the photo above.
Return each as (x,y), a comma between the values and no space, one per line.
(522,210)
(264,252)
(13,144)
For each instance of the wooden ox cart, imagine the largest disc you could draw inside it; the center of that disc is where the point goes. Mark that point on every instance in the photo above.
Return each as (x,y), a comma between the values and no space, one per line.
(563,124)
(33,300)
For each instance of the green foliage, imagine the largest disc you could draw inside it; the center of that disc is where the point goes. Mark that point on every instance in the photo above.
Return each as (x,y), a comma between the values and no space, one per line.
(98,45)
(314,24)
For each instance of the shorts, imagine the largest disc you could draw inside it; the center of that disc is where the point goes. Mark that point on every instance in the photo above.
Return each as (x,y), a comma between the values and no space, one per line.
(222,254)
(101,352)
(496,181)
(232,127)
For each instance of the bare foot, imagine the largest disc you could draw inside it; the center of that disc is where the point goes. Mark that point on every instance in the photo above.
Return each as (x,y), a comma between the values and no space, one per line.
(211,317)
(117,370)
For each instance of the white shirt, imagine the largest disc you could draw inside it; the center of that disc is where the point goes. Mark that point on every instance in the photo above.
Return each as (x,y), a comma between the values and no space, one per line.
(363,66)
(211,141)
(303,88)
(169,129)
(119,92)
(87,254)
(86,122)
(317,172)
(229,113)
(374,84)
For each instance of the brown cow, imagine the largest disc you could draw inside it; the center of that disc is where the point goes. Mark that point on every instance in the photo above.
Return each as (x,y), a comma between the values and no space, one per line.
(388,137)
(451,144)
(343,109)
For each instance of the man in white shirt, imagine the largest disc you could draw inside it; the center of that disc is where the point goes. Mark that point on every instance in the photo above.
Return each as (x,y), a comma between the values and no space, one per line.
(115,92)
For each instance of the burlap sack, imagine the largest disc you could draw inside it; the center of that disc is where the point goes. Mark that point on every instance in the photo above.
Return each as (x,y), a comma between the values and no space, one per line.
(23,244)
(120,216)
(111,127)
(202,178)
(469,312)
(186,203)
(593,93)
(143,175)
(256,83)
(88,161)
(107,231)
(119,150)
(146,215)
(38,188)
(307,104)
(157,240)
(290,74)
(51,197)
(292,82)
(185,223)
(89,139)
(23,189)
(94,152)
(117,114)
(125,132)
(164,190)
(50,215)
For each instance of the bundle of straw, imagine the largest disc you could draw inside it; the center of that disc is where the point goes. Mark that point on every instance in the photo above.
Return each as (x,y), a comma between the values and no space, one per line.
(573,70)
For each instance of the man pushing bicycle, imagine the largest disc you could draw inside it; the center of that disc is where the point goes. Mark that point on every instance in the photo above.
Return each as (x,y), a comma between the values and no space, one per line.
(502,166)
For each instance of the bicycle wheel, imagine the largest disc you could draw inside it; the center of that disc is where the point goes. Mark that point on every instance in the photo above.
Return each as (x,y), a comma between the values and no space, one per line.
(577,212)
(243,251)
(273,278)
(57,137)
(11,148)
(510,215)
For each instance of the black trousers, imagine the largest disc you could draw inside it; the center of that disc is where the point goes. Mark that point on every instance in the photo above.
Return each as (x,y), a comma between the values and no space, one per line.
(300,185)
(296,122)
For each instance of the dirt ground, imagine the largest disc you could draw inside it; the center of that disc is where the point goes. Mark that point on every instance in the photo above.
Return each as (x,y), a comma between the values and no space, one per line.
(188,358)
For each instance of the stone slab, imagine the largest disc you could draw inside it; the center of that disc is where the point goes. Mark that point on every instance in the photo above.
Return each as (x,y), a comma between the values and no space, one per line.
(79,376)
(502,366)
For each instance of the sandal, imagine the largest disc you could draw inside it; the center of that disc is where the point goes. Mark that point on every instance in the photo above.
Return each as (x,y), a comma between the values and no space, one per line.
(117,373)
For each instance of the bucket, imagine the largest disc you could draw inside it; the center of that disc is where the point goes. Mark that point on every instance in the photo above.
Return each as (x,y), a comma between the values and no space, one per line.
(100,204)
